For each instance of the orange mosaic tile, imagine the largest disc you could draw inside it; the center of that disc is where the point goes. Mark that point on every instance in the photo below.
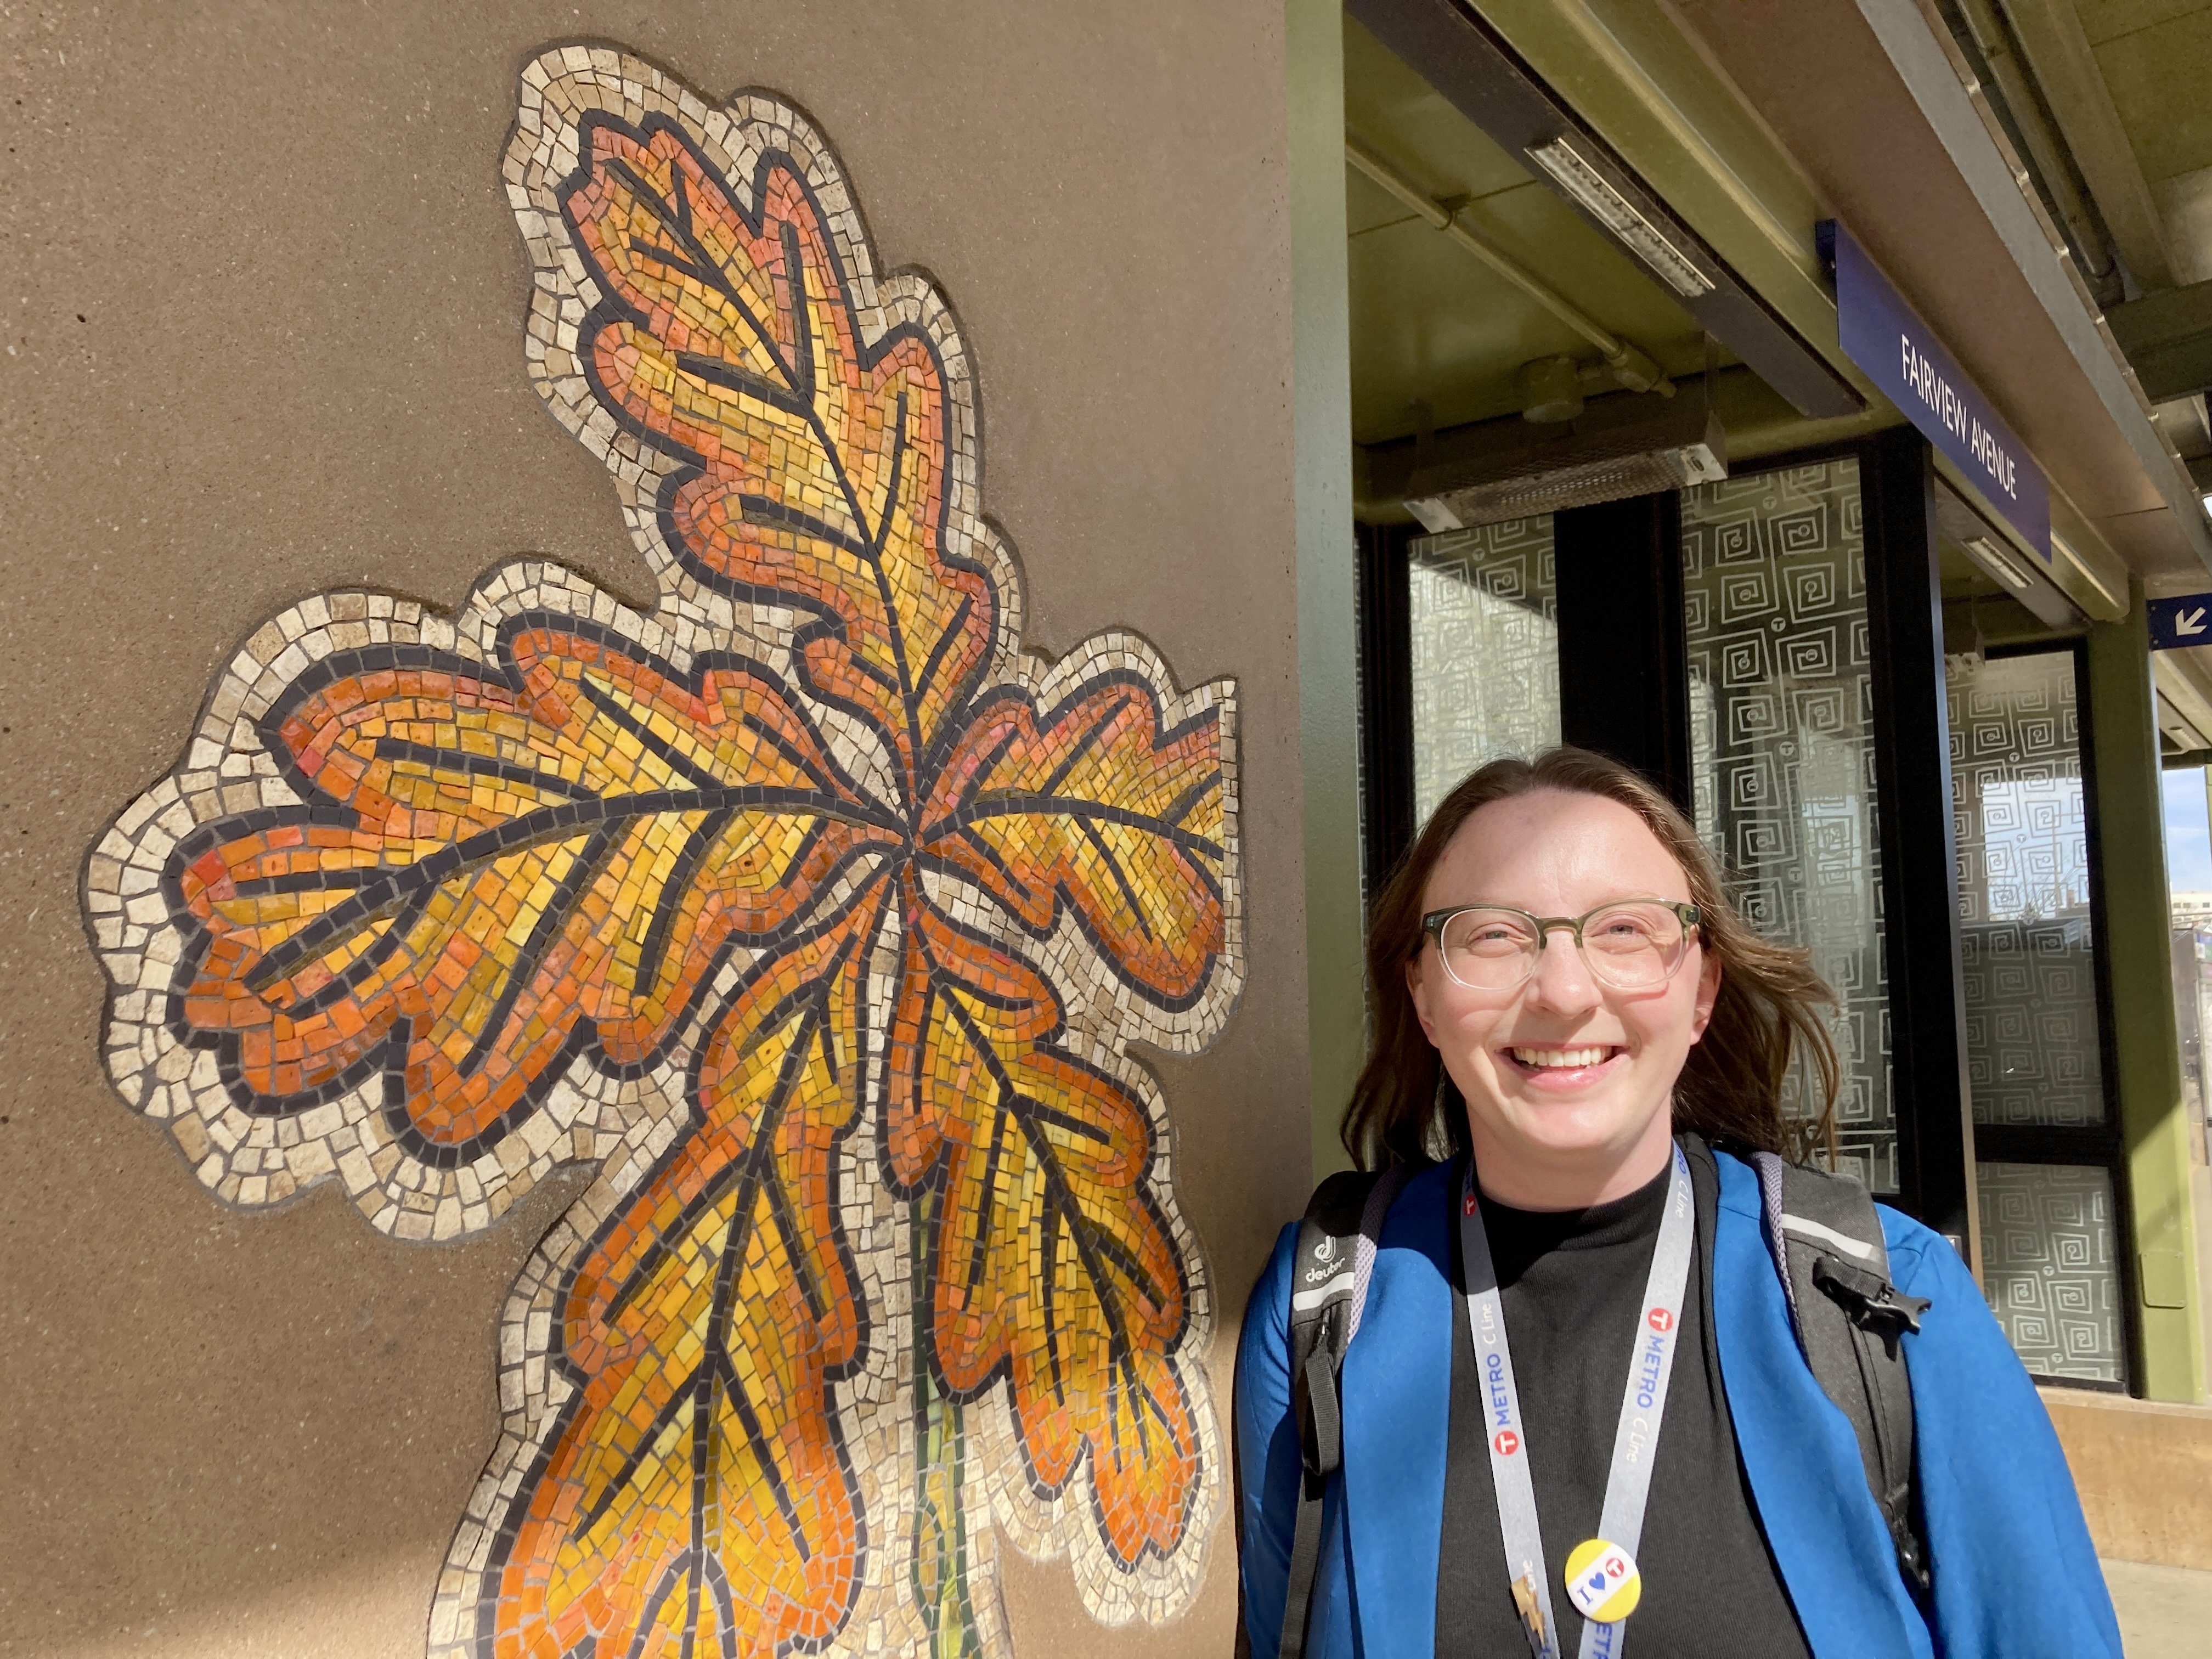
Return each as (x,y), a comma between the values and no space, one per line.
(808,909)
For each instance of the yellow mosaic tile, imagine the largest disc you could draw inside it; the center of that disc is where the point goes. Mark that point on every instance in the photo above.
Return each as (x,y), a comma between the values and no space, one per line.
(808,909)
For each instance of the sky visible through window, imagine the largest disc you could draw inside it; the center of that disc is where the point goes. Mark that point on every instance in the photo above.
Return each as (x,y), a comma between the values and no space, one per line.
(2188,847)
(2035,857)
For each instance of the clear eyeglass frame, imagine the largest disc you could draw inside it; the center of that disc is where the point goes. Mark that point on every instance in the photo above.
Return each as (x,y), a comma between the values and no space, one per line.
(1541,928)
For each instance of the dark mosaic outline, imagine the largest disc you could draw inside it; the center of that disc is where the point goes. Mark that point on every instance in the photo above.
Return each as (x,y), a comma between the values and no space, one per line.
(504,1535)
(1002,670)
(390,1058)
(612,308)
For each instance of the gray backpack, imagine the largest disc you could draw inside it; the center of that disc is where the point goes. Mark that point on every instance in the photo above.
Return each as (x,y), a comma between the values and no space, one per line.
(1828,1250)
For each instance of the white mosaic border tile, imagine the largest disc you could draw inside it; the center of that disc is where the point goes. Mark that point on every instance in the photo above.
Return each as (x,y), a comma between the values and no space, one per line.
(623,1127)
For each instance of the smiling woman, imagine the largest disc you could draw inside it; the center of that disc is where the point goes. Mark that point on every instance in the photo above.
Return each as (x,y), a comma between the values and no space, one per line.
(1567,1056)
(1574,820)
(1584,1223)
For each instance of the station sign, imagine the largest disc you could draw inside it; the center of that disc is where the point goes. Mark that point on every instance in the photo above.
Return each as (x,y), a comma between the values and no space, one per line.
(1885,337)
(2176,624)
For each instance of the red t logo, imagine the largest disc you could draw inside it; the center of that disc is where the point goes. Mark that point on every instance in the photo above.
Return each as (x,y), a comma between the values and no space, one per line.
(1660,1320)
(1507,1443)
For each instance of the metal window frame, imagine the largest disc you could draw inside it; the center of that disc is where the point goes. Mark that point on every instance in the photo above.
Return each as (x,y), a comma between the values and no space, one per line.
(2088,1146)
(1917,887)
(1623,682)
(1929,1091)
(1917,867)
(1386,700)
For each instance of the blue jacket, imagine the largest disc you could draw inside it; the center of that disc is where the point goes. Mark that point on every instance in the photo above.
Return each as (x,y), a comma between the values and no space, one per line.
(2015,1575)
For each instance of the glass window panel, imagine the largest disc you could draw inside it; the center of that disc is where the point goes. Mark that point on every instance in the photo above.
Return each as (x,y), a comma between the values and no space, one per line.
(2025,937)
(2194,974)
(2049,1269)
(2189,940)
(1486,652)
(1781,753)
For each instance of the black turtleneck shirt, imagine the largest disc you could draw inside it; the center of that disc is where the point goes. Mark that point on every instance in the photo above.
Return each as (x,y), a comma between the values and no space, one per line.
(1573,1288)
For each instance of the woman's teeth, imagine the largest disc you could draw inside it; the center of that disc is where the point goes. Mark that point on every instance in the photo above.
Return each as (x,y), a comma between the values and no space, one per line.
(1551,1057)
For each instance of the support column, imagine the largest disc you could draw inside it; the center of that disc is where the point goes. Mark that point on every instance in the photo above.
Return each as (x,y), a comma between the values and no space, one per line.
(1386,700)
(1328,686)
(1919,851)
(1624,665)
(2146,1052)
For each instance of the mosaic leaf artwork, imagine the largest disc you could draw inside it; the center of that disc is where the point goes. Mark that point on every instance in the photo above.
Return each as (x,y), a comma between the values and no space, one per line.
(808,912)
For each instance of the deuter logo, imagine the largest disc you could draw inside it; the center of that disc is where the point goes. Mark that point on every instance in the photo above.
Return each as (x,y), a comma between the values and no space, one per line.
(1506,1442)
(1660,1320)
(1325,1252)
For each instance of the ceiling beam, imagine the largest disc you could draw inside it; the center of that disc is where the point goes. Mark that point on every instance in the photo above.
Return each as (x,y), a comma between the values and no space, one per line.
(1950,107)
(1630,365)
(2168,340)
(2065,67)
(2048,150)
(1456,52)
(2181,683)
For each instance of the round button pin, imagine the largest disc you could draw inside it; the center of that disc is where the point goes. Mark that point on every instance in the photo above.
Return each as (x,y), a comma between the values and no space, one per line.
(1603,1582)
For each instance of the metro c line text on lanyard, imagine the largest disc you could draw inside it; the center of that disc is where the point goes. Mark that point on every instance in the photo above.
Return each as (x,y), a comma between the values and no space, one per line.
(1602,1578)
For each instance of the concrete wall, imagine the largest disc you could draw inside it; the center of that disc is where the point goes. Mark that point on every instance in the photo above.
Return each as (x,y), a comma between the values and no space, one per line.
(2144,1470)
(263,324)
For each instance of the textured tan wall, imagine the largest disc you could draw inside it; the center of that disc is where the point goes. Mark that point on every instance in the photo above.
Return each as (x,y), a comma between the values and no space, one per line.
(263,303)
(2144,1471)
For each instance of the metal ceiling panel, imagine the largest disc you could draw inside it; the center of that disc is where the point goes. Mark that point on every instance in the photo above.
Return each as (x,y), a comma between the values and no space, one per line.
(1458,54)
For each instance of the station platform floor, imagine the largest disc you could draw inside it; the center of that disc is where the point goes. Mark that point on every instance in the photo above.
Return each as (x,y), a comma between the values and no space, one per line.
(2166,1613)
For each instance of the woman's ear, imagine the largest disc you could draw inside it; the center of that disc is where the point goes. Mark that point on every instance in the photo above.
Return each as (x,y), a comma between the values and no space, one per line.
(1709,990)
(1419,990)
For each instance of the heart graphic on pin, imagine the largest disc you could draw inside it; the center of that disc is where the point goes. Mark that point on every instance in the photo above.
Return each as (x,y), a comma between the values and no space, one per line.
(1603,1582)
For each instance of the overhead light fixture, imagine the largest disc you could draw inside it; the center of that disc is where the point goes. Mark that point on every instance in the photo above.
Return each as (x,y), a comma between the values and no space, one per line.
(1572,171)
(2087,573)
(1621,447)
(1650,473)
(1993,559)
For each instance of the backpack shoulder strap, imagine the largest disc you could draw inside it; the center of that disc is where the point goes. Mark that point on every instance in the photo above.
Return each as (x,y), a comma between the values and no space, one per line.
(1827,1245)
(1337,1241)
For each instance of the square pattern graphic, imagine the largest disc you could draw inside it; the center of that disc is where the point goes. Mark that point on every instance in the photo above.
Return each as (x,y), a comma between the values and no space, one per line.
(807,910)
(1483,614)
(2048,1264)
(1781,752)
(2033,1054)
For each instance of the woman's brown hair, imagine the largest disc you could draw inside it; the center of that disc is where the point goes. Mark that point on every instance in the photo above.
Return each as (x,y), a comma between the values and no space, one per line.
(1730,1089)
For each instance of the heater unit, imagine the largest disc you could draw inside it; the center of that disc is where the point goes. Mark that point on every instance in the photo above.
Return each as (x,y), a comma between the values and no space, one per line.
(1619,447)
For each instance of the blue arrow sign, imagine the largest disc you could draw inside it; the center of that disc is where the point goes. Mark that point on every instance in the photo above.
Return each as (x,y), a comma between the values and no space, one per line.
(2184,621)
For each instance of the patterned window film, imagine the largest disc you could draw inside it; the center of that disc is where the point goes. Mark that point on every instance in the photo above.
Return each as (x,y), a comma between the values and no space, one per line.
(2034,1058)
(1781,752)
(2048,1266)
(1486,652)
(2025,934)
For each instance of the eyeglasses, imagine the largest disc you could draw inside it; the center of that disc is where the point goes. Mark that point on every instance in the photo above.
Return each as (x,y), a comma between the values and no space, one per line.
(1631,945)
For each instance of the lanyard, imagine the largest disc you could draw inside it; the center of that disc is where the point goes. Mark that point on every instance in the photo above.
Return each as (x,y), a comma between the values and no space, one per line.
(1602,1578)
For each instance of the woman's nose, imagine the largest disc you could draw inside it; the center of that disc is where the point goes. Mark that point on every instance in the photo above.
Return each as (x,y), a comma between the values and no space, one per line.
(1562,983)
